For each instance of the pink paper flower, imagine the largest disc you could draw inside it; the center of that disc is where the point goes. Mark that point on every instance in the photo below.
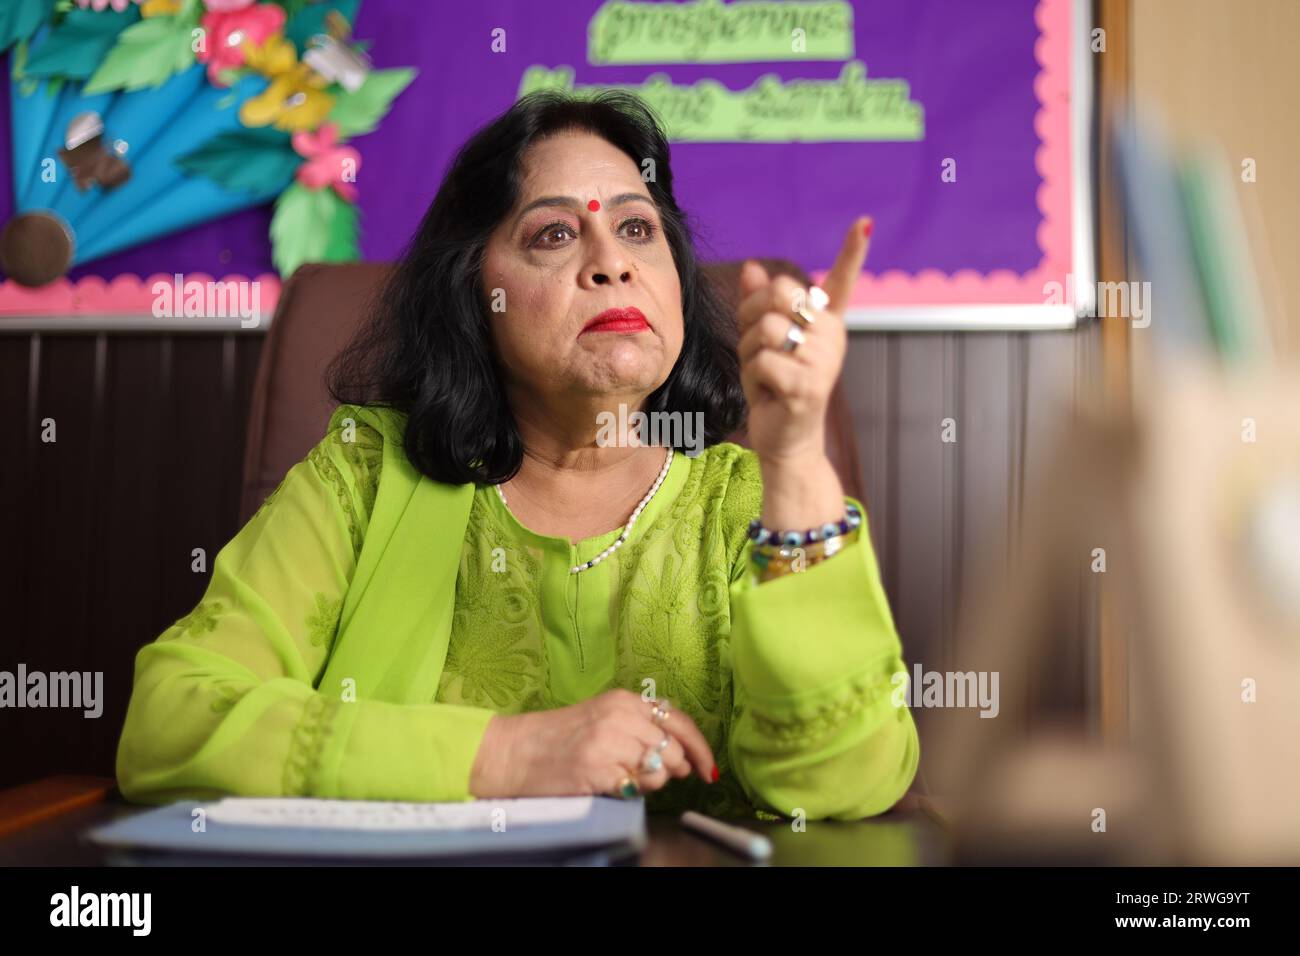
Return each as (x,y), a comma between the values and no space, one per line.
(327,163)
(226,33)
(227,6)
(101,5)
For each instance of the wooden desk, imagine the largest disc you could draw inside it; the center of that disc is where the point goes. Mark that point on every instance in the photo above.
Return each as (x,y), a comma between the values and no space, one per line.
(899,838)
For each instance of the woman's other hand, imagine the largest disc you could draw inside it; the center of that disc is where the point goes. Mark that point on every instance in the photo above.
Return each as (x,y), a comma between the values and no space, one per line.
(788,391)
(586,748)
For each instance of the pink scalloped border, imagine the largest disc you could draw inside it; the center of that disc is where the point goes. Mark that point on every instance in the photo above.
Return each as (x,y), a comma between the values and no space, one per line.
(130,295)
(1053,50)
(122,295)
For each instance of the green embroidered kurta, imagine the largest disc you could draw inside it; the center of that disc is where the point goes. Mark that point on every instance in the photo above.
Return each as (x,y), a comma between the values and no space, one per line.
(258,691)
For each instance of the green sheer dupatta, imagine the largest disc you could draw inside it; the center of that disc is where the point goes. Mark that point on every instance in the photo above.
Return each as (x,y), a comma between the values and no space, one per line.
(396,618)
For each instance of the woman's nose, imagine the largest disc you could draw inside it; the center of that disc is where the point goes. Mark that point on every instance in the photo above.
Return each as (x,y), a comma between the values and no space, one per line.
(601,278)
(608,263)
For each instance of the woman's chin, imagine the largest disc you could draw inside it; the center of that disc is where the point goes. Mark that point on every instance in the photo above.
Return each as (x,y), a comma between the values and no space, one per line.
(626,367)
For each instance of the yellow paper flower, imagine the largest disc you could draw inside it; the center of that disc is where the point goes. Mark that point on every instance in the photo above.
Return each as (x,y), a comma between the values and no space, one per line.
(160,8)
(295,99)
(275,57)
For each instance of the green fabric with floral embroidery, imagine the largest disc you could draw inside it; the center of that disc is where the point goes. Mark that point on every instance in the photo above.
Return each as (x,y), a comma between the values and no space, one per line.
(792,681)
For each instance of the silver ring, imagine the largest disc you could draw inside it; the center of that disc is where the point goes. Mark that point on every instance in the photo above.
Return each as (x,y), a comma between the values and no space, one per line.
(663,744)
(652,762)
(794,338)
(660,711)
(799,310)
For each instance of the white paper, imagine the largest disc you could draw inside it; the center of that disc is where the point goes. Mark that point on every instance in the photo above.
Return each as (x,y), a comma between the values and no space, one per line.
(379,815)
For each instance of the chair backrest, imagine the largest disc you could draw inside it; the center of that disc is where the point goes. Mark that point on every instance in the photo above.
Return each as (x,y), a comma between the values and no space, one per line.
(321,307)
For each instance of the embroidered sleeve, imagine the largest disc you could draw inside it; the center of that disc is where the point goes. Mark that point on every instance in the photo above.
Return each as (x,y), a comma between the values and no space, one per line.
(818,724)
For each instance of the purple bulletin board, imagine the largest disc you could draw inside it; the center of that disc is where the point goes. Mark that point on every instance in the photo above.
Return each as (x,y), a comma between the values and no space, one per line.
(960,126)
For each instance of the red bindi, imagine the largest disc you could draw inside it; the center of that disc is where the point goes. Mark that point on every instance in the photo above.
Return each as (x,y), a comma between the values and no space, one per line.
(594,205)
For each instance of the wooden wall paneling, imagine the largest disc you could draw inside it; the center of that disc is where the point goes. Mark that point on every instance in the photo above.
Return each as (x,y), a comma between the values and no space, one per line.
(60,546)
(193,456)
(99,735)
(868,388)
(146,467)
(1056,688)
(130,592)
(1089,385)
(988,396)
(921,510)
(19,380)
(248,351)
(15,478)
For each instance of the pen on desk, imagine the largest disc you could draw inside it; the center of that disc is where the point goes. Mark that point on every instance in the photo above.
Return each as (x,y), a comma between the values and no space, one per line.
(742,841)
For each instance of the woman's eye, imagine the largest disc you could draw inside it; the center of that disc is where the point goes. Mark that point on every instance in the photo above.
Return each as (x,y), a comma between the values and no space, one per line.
(556,232)
(639,228)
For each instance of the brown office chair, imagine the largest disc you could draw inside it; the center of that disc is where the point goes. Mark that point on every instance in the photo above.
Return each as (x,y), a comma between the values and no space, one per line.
(320,308)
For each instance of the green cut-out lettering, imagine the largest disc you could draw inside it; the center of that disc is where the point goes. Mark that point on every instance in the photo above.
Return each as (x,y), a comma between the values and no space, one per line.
(709,31)
(850,108)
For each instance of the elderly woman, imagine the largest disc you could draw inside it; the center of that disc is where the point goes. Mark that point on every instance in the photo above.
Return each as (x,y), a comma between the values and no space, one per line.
(472,588)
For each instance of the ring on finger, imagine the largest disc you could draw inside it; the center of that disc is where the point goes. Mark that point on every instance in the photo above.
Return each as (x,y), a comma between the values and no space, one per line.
(628,787)
(652,761)
(800,313)
(660,711)
(794,338)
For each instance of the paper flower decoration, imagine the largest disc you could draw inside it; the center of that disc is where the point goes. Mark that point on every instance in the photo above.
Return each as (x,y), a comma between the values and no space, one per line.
(152,136)
(118,181)
(231,31)
(295,99)
(101,5)
(159,8)
(328,164)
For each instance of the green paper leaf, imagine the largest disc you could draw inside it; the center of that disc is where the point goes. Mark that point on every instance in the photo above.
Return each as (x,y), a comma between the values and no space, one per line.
(76,46)
(19,19)
(360,112)
(342,245)
(310,20)
(245,160)
(147,54)
(291,7)
(312,225)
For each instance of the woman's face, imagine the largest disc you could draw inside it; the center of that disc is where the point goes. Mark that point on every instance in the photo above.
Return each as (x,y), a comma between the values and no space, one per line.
(585,237)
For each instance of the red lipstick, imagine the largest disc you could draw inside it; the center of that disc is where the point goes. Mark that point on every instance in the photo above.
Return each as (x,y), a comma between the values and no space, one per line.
(617,320)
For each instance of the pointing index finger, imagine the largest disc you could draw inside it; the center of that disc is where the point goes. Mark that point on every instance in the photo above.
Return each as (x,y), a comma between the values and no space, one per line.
(843,276)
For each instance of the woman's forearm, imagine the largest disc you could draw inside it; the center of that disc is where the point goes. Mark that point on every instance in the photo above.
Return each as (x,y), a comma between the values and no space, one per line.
(801,492)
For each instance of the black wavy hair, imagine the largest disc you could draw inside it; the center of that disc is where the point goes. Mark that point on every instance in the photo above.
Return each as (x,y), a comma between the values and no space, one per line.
(426,348)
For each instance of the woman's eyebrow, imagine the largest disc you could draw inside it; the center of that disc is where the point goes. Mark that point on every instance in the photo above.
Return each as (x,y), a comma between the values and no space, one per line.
(572,203)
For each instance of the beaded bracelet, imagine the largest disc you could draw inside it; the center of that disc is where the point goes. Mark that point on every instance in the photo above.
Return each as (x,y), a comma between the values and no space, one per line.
(771,562)
(774,553)
(801,539)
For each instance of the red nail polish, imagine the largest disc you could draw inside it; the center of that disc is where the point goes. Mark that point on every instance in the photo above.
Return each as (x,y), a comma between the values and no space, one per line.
(866,230)
(594,205)
(715,773)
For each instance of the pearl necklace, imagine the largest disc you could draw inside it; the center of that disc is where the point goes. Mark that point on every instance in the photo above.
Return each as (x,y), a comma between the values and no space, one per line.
(627,528)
